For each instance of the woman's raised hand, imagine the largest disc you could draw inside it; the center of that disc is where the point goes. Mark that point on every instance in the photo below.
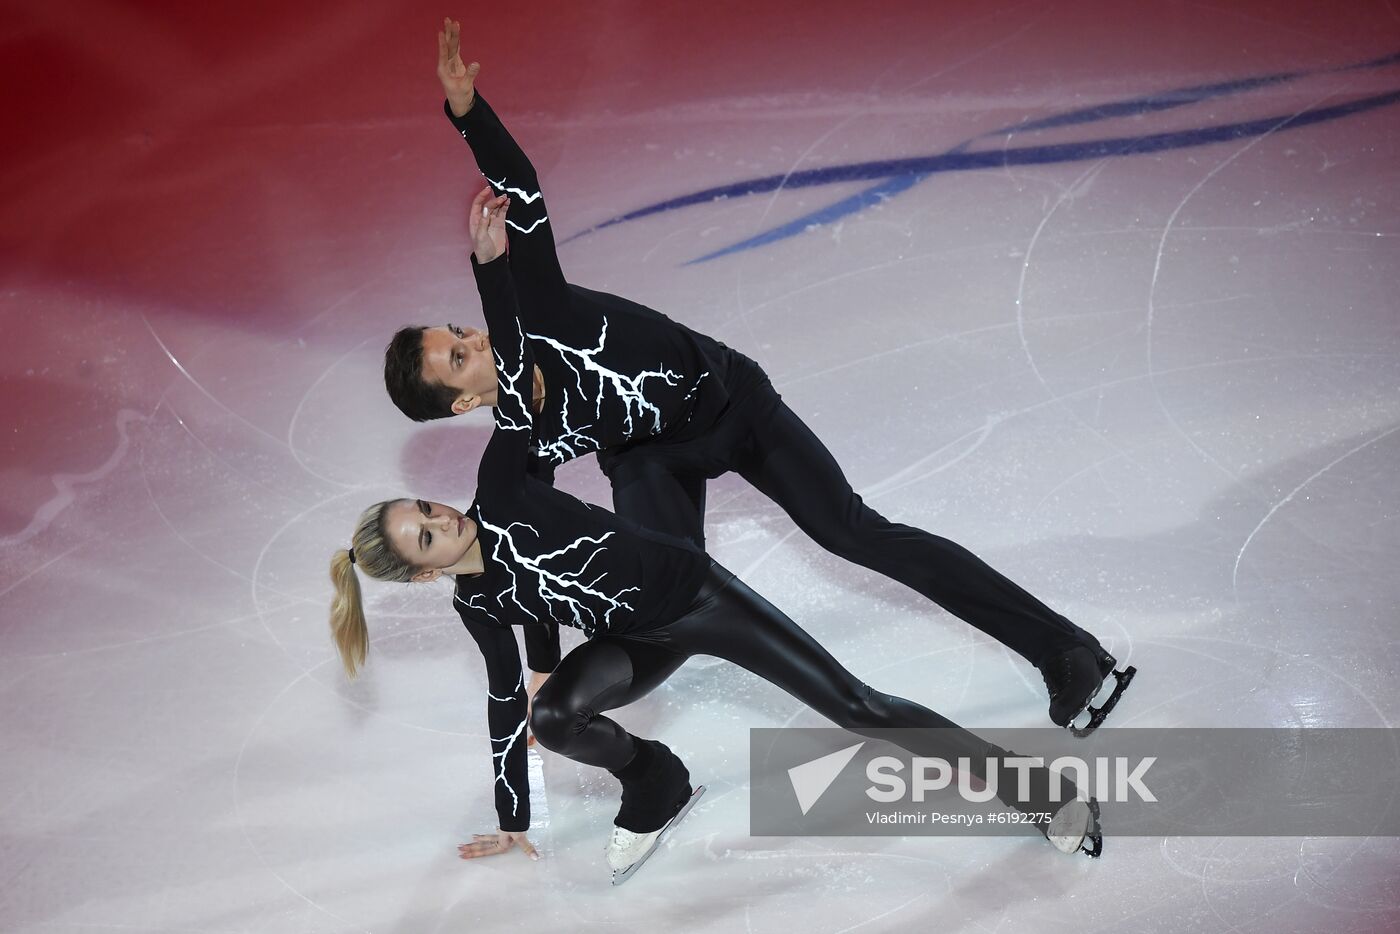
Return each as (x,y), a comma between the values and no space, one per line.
(489,844)
(458,80)
(487,224)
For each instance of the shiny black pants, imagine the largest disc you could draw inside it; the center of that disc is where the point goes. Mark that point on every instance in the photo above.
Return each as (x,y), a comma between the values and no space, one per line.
(729,621)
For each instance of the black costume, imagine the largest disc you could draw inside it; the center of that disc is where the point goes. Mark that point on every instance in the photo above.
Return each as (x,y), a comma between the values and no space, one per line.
(646,601)
(667,408)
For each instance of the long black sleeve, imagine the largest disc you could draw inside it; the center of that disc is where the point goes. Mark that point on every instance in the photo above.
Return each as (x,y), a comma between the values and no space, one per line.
(507,456)
(614,371)
(542,646)
(506,707)
(505,460)
(546,556)
(532,251)
(508,449)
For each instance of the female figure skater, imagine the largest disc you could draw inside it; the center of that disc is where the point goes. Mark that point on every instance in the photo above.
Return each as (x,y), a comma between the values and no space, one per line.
(527,554)
(666,408)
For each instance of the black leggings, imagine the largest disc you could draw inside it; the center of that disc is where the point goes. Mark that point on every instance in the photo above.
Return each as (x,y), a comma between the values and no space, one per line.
(663,488)
(727,620)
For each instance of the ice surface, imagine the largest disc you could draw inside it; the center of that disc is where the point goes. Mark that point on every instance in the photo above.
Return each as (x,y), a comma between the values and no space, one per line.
(1162,391)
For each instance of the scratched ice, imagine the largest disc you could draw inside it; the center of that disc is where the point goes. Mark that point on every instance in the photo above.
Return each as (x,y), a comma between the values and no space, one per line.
(1105,293)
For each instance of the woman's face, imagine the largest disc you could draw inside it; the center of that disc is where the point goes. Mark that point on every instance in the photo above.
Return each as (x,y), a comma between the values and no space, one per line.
(428,535)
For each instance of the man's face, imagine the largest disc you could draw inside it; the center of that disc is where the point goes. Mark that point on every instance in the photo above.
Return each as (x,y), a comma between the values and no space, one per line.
(461,359)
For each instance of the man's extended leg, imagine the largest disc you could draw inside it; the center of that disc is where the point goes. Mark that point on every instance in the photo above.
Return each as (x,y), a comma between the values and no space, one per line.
(791,466)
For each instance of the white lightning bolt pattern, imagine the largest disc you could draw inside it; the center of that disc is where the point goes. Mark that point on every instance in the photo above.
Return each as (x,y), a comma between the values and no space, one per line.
(525,196)
(514,691)
(629,390)
(514,695)
(472,604)
(569,600)
(531,228)
(695,386)
(501,535)
(501,771)
(509,384)
(573,443)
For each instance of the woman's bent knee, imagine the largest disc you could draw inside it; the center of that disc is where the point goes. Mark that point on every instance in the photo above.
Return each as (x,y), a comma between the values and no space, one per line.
(555,725)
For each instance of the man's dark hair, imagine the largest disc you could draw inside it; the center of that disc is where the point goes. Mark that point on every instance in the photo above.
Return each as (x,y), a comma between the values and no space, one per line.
(417,398)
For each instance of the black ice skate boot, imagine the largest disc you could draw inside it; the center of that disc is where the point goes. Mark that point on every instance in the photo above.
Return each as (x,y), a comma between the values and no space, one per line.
(656,795)
(1070,822)
(1075,678)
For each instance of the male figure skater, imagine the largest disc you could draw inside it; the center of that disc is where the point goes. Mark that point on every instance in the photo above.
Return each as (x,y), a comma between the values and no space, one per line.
(666,408)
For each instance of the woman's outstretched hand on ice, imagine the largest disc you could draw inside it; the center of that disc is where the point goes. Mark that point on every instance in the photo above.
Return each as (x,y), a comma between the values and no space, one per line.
(487,224)
(458,80)
(489,844)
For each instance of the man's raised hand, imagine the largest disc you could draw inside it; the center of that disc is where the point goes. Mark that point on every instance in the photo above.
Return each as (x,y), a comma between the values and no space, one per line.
(458,80)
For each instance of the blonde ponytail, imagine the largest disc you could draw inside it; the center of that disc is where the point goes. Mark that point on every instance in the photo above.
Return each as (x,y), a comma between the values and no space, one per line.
(348,627)
(375,556)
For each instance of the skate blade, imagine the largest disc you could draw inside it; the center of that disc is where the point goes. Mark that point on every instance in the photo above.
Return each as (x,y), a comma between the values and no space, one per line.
(1092,846)
(622,875)
(1100,696)
(1092,717)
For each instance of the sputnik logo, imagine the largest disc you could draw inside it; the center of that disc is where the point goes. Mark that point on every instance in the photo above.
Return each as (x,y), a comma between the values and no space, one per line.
(811,779)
